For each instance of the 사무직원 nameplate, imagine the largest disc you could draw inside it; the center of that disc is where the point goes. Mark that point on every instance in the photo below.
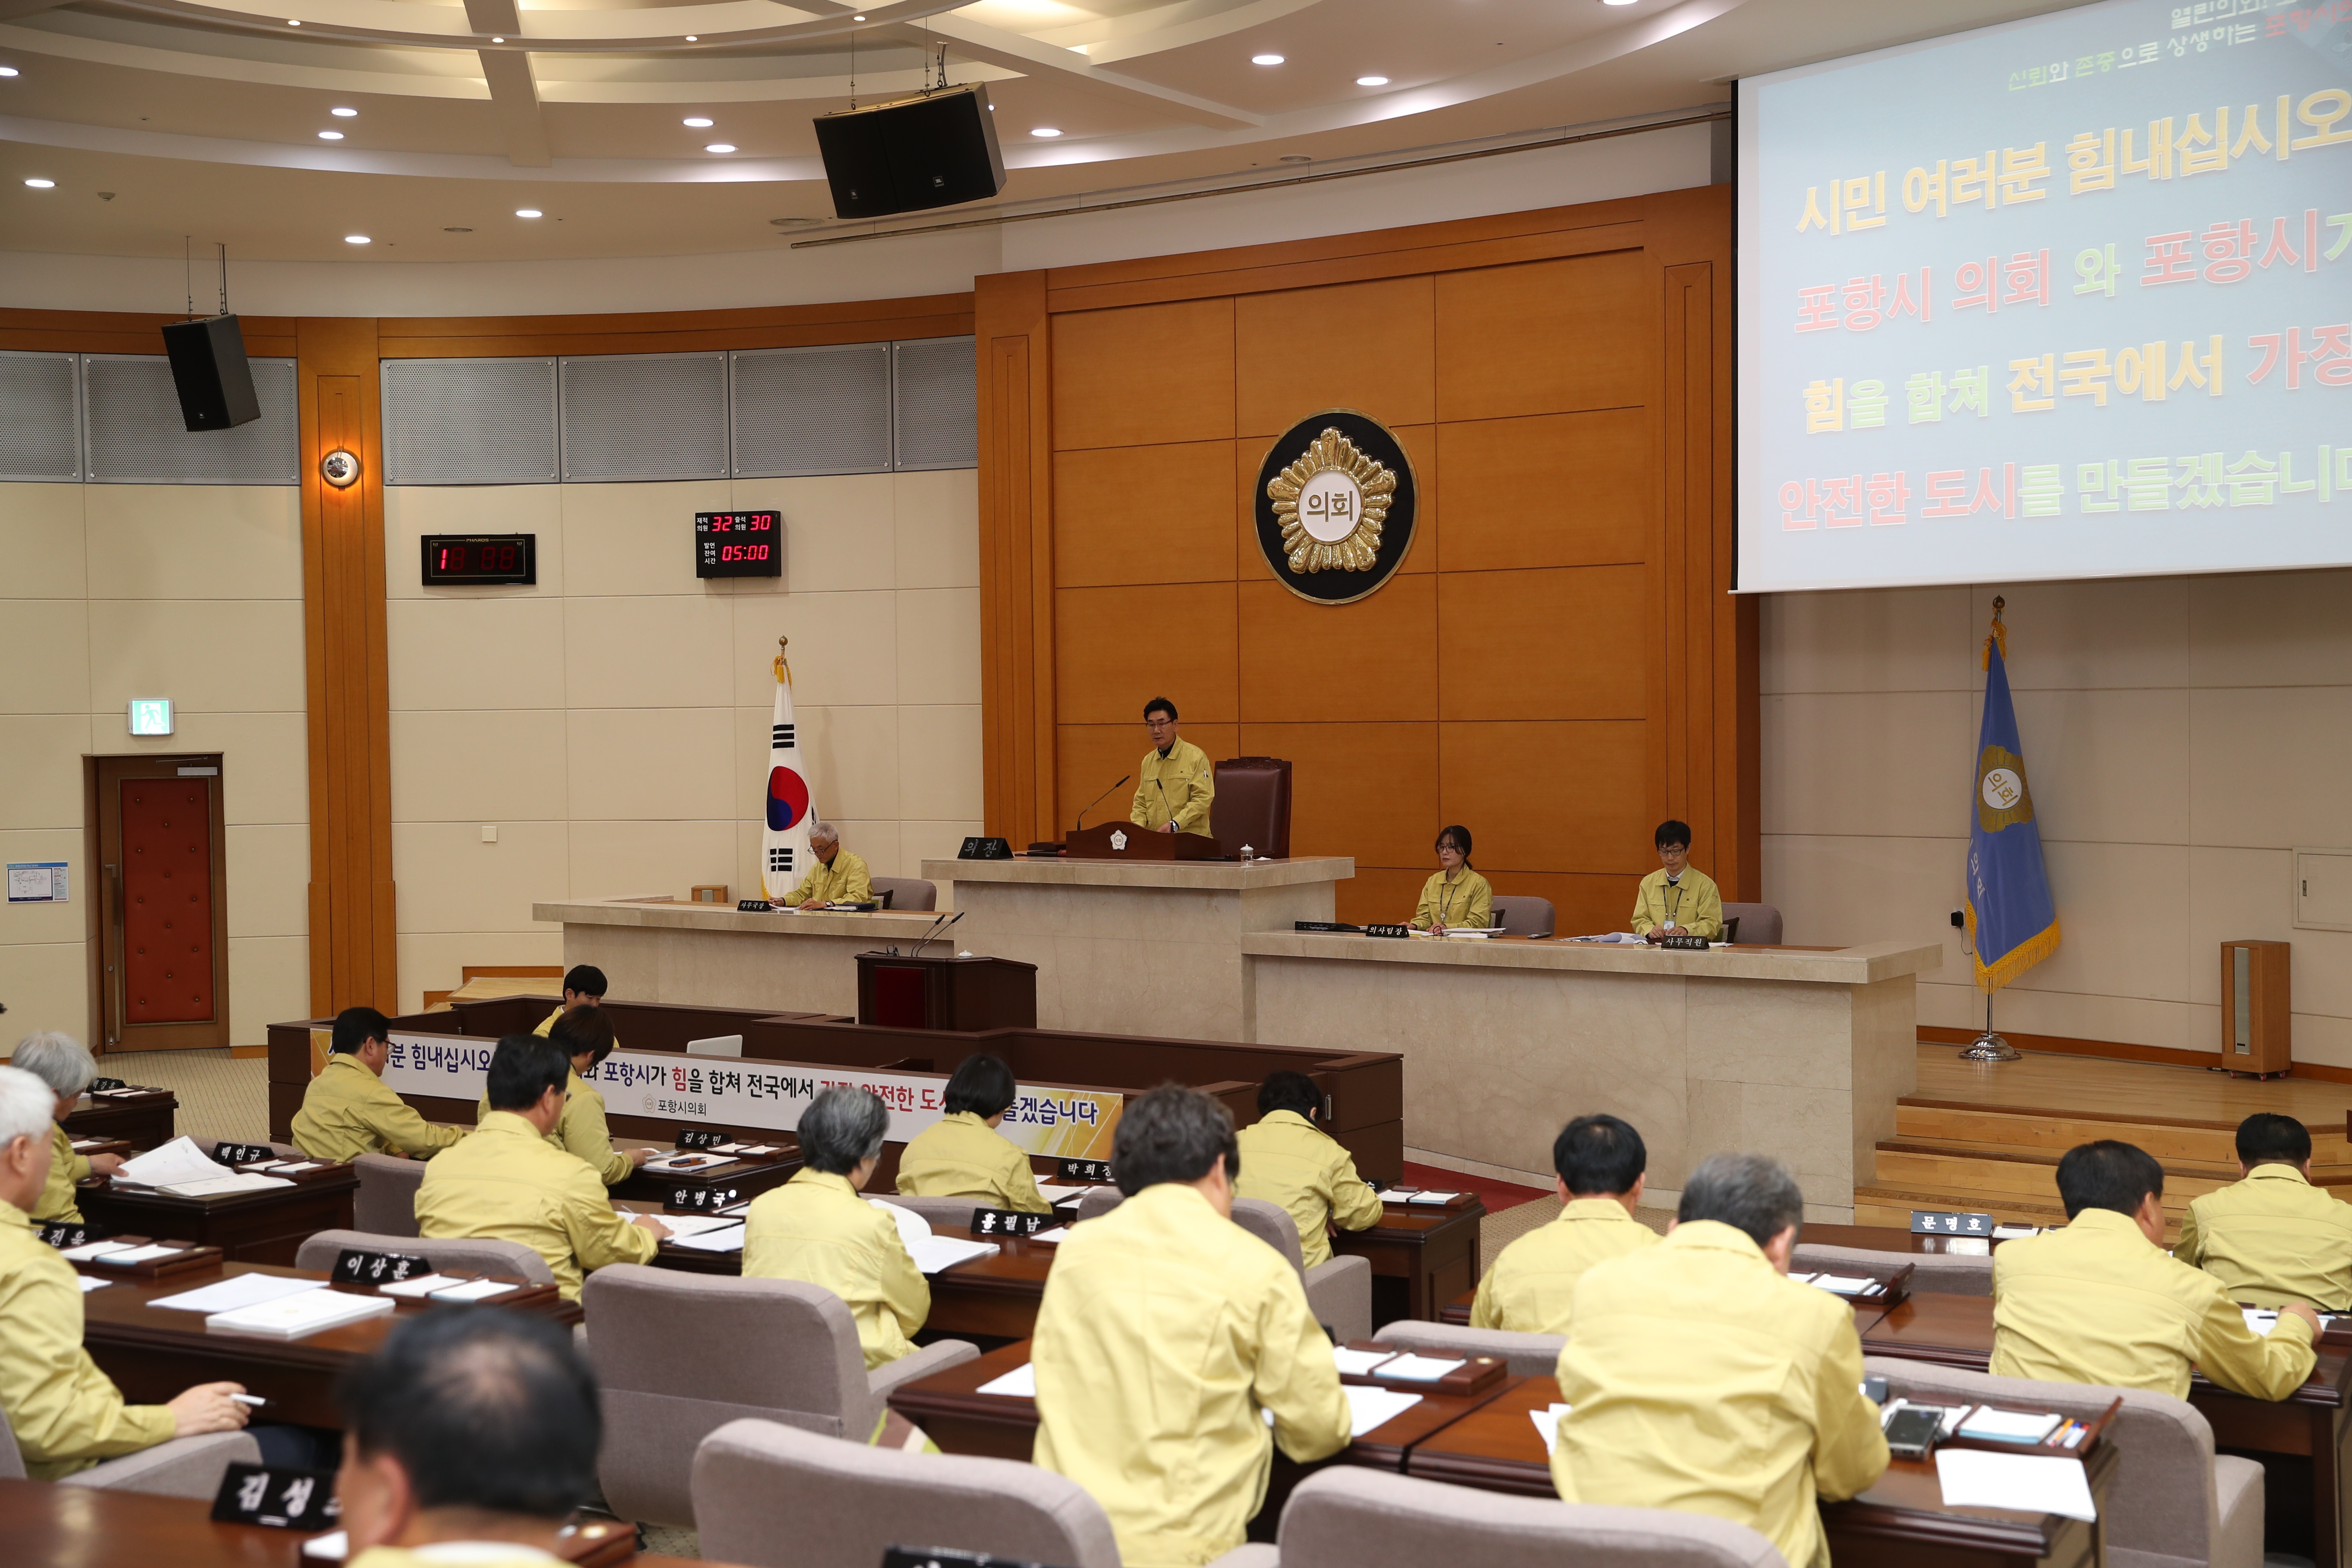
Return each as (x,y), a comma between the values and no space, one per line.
(1335,505)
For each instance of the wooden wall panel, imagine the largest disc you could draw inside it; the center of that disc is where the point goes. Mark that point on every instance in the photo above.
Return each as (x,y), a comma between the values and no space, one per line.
(1369,790)
(1552,796)
(1143,376)
(1558,489)
(1301,662)
(1546,337)
(1128,645)
(1569,642)
(1144,514)
(1366,346)
(1018,774)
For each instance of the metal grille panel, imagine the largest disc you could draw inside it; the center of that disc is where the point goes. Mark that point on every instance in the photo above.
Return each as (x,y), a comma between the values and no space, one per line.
(938,412)
(644,416)
(40,433)
(469,421)
(133,434)
(813,411)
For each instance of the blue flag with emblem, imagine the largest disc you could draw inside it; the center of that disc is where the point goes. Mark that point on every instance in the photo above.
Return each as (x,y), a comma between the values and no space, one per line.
(2012,919)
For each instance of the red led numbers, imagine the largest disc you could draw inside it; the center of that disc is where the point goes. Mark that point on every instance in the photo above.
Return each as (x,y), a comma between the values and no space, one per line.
(471,560)
(737,545)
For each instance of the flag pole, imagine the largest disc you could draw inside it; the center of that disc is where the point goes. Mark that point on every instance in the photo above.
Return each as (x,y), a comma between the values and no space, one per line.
(1989,1047)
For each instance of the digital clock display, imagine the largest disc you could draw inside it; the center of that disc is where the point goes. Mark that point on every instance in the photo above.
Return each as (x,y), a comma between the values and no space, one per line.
(456,559)
(739,544)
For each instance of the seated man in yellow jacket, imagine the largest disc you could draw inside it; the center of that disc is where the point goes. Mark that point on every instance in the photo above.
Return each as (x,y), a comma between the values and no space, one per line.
(64,1064)
(1175,785)
(1677,899)
(2100,1302)
(1168,1336)
(66,1414)
(1288,1160)
(508,1182)
(585,1035)
(1602,1164)
(838,876)
(961,1155)
(583,987)
(348,1110)
(818,1229)
(473,1430)
(1702,1378)
(2272,1237)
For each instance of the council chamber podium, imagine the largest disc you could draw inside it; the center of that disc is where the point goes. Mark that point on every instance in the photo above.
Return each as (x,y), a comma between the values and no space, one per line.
(961,994)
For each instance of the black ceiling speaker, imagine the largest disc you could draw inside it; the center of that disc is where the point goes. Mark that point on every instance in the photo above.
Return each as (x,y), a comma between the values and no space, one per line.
(209,372)
(931,151)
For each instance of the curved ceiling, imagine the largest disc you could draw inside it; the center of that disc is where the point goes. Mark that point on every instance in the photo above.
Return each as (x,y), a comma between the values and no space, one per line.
(428,126)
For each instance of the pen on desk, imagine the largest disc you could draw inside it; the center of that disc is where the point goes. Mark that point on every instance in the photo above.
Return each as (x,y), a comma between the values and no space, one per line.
(254,1400)
(2076,1435)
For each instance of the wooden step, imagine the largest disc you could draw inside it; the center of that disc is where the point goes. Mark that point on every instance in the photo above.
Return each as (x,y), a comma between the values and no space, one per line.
(2058,1131)
(1938,1163)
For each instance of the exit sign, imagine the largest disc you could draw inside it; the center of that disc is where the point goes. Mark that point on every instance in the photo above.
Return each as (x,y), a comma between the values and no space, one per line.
(151,715)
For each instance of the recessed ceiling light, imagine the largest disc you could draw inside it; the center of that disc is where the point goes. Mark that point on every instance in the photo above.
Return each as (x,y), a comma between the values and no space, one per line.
(692,39)
(344,113)
(1266,59)
(699,123)
(7,70)
(497,40)
(1616,2)
(42,185)
(1371,81)
(1048,131)
(292,22)
(720,147)
(330,136)
(357,239)
(527,212)
(857,18)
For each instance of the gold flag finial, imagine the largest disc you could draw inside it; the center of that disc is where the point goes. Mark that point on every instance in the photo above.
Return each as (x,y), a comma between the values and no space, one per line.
(784,670)
(2000,634)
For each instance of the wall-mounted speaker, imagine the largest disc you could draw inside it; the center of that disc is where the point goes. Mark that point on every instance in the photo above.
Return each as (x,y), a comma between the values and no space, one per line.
(931,151)
(209,372)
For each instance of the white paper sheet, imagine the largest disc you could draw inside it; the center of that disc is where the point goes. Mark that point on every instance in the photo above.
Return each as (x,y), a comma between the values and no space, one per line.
(1426,1197)
(912,1227)
(147,1254)
(2261,1320)
(89,1249)
(728,1240)
(418,1287)
(1368,1407)
(1419,1368)
(178,1160)
(933,1253)
(224,1186)
(90,1284)
(2028,1483)
(1844,1284)
(1354,1364)
(331,1547)
(292,1317)
(684,1224)
(2009,1425)
(1053,1194)
(1021,1383)
(1058,1234)
(238,1290)
(474,1290)
(1546,1422)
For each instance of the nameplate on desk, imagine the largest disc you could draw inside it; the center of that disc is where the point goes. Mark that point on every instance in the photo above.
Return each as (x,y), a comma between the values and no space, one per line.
(356,1266)
(704,1138)
(280,1497)
(754,907)
(1940,1222)
(1009,1222)
(701,1200)
(977,848)
(1082,1170)
(1388,931)
(1683,943)
(106,1085)
(64,1233)
(1337,928)
(234,1154)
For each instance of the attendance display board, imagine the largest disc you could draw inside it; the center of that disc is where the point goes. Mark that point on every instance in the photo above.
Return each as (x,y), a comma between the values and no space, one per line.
(745,1092)
(2063,297)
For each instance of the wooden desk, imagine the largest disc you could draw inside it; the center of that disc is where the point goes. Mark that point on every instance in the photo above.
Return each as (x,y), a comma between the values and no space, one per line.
(155,1352)
(144,1120)
(1879,1238)
(89,1528)
(1420,1258)
(248,1228)
(1901,1520)
(751,1176)
(2300,1440)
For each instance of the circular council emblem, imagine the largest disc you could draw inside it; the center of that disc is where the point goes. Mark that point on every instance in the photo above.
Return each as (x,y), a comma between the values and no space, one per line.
(787,799)
(2002,798)
(1335,506)
(2002,789)
(339,468)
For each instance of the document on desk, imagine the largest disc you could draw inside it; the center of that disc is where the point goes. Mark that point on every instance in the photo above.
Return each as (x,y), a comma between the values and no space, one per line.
(147,1254)
(1021,1383)
(728,1240)
(685,1225)
(2261,1320)
(90,1249)
(292,1317)
(933,1253)
(423,1285)
(178,1160)
(223,1186)
(1418,1368)
(1354,1364)
(90,1284)
(1434,1199)
(1368,1407)
(474,1290)
(1060,1233)
(1546,1422)
(1972,1478)
(238,1290)
(1058,1194)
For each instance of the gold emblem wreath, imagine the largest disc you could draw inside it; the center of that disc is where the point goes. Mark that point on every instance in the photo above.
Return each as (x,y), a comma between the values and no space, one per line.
(1375,480)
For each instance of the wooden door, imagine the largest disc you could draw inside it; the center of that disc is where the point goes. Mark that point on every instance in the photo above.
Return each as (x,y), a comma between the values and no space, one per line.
(163,950)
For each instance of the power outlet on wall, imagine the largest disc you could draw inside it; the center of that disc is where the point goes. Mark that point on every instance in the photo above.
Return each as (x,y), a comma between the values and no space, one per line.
(489,832)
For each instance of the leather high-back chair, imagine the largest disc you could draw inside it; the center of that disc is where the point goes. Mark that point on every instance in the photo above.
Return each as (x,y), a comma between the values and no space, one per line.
(1522,914)
(1252,807)
(385,1204)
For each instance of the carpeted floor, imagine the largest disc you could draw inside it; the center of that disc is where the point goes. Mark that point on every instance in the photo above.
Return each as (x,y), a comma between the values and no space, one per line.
(219,1098)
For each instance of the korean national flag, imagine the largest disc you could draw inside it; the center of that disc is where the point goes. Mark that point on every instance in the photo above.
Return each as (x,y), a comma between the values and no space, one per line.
(783,837)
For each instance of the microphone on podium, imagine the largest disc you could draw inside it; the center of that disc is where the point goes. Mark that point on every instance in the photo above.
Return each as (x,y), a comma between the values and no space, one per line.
(1096,802)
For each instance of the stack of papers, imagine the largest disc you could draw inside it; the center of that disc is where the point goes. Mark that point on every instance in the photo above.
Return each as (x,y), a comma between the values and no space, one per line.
(238,1290)
(1368,1407)
(124,1257)
(447,1287)
(223,1186)
(1021,1383)
(1354,1364)
(292,1317)
(2009,1425)
(2028,1483)
(178,1160)
(88,1250)
(1418,1368)
(1839,1284)
(728,1240)
(474,1290)
(1546,1422)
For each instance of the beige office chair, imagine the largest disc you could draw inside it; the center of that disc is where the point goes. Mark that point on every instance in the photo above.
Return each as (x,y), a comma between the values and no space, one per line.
(2174,1503)
(1528,1355)
(482,1255)
(770,1496)
(179,1466)
(1759,924)
(385,1204)
(1346,1517)
(907,892)
(1339,1291)
(1942,1274)
(1519,915)
(679,1355)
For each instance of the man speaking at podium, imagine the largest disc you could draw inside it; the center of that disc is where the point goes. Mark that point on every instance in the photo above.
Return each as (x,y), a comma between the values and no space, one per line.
(1175,783)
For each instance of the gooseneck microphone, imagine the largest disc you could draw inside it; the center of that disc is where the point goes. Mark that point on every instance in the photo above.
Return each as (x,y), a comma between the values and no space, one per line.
(1098,801)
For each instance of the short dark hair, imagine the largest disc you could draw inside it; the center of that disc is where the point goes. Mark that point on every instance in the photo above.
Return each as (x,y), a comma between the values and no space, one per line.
(583,1029)
(585,979)
(1753,1194)
(1461,837)
(842,1128)
(522,1069)
(1287,1090)
(356,1027)
(1156,705)
(2265,1139)
(1171,1134)
(982,1084)
(2108,1175)
(1670,831)
(1599,1154)
(483,1408)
